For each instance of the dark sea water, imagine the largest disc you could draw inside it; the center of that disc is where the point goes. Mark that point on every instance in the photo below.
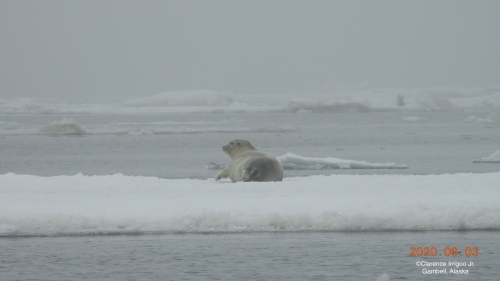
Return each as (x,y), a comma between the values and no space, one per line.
(444,144)
(256,256)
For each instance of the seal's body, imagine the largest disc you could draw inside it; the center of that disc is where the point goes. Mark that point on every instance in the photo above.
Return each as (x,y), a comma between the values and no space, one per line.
(248,164)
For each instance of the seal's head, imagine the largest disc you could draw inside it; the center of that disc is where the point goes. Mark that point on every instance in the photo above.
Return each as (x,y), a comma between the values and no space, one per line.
(236,147)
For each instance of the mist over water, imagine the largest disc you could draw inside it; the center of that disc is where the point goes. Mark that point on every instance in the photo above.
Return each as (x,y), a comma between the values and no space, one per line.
(111,51)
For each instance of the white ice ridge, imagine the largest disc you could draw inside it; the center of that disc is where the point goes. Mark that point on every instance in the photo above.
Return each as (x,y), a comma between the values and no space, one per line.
(493,158)
(291,161)
(32,205)
(326,101)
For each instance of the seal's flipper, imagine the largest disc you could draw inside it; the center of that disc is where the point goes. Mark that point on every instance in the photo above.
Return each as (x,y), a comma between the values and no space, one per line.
(254,174)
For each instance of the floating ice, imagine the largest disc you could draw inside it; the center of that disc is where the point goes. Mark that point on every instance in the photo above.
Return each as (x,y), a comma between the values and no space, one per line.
(214,166)
(479,120)
(414,119)
(33,205)
(292,161)
(67,126)
(139,132)
(434,102)
(493,158)
(383,277)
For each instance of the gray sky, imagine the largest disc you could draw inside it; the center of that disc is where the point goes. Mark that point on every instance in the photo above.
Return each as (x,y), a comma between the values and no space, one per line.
(75,49)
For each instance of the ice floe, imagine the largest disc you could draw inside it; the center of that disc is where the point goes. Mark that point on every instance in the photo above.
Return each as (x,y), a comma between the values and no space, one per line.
(493,158)
(479,120)
(214,166)
(67,126)
(292,161)
(88,205)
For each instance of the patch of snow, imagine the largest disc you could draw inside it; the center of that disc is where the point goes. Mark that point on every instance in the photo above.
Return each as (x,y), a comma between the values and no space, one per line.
(493,158)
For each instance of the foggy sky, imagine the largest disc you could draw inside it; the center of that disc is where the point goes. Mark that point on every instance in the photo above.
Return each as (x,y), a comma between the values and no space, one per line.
(75,49)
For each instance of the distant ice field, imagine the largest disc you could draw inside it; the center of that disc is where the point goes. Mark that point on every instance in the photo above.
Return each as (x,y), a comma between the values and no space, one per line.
(329,101)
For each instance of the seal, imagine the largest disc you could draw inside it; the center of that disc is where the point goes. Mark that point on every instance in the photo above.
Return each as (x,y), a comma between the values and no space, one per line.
(248,164)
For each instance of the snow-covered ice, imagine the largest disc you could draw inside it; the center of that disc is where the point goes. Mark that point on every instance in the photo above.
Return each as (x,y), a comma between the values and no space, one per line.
(66,126)
(479,120)
(214,166)
(209,101)
(32,205)
(493,158)
(292,161)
